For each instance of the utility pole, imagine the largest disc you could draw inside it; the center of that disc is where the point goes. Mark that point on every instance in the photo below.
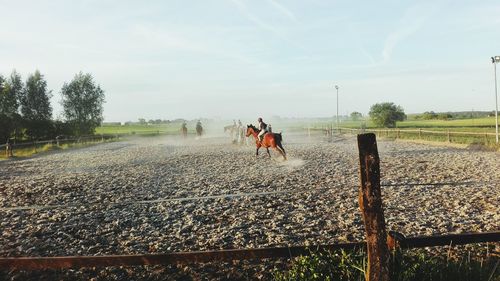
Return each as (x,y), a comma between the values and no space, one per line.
(337,88)
(495,60)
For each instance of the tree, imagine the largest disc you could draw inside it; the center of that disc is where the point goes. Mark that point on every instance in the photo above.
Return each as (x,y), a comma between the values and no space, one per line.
(429,115)
(9,105)
(82,101)
(355,116)
(444,116)
(5,122)
(10,93)
(386,114)
(35,106)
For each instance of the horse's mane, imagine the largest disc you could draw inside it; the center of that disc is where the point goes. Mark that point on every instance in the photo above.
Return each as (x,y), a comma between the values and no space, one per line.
(253,127)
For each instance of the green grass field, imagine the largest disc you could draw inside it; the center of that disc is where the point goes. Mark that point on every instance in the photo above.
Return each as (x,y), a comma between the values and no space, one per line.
(172,128)
(479,126)
(484,125)
(473,124)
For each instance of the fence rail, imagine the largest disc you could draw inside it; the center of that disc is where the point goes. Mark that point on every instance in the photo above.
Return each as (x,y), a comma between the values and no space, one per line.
(11,147)
(446,135)
(36,263)
(328,129)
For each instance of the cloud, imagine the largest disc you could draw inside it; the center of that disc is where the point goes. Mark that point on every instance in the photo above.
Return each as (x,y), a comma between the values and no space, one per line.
(283,10)
(366,54)
(163,40)
(264,25)
(253,18)
(411,22)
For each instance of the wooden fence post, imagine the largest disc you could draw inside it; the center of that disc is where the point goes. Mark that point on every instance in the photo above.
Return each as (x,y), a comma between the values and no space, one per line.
(370,203)
(449,138)
(8,150)
(419,133)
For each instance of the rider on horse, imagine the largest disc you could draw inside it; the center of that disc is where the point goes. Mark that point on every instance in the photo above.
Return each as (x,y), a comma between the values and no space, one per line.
(199,128)
(263,129)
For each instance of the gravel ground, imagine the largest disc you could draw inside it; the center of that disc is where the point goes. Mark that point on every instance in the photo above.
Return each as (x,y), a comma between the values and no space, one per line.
(126,198)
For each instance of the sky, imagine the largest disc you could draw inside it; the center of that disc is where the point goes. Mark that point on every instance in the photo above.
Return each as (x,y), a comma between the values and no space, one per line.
(244,59)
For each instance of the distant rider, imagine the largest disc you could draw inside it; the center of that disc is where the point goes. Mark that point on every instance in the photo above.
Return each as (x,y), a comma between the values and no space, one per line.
(263,129)
(239,131)
(199,128)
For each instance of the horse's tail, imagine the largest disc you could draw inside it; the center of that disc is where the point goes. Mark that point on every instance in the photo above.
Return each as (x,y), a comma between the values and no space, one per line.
(278,138)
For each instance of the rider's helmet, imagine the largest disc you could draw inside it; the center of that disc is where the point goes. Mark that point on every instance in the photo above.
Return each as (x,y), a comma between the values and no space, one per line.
(260,119)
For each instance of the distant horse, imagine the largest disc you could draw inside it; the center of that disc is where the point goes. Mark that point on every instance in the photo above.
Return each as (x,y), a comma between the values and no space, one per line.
(236,133)
(229,129)
(272,140)
(240,132)
(199,129)
(184,131)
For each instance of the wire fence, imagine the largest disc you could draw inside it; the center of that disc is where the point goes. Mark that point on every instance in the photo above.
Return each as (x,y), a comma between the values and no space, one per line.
(36,146)
(133,201)
(450,136)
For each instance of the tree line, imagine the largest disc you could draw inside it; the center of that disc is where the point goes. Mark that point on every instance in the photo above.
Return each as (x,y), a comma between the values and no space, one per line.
(26,112)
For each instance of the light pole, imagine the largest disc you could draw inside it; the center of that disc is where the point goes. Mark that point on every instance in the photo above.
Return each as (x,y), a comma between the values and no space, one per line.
(337,88)
(495,60)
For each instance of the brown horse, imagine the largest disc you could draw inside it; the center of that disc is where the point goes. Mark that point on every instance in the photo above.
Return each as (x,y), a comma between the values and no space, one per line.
(270,140)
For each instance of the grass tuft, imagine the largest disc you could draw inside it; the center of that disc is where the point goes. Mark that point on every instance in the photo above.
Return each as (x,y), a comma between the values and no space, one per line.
(405,265)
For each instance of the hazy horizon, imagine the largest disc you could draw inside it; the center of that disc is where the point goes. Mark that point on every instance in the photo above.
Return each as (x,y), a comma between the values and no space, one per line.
(243,59)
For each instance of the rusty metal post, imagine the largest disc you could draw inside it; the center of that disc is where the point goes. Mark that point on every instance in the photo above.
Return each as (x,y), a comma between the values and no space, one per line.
(370,203)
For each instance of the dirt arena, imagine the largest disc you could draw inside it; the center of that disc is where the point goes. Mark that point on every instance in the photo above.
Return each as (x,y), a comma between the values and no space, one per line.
(163,194)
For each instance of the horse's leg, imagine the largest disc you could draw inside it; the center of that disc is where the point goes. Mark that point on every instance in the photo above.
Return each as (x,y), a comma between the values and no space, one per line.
(281,147)
(281,150)
(257,151)
(267,149)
